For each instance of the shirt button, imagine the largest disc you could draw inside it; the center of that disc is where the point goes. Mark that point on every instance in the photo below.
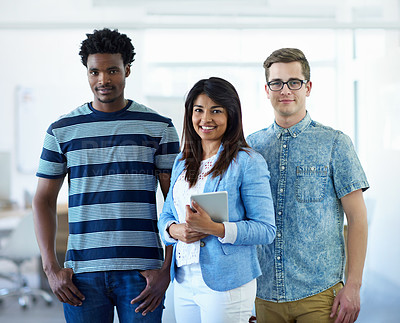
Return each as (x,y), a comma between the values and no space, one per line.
(202,243)
(279,213)
(283,167)
(284,146)
(279,258)
(312,168)
(278,235)
(281,190)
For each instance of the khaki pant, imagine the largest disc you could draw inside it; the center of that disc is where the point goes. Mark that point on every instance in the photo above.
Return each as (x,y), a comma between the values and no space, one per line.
(313,309)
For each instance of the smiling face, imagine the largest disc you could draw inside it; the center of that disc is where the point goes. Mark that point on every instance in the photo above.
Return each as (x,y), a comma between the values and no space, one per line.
(106,75)
(210,121)
(289,105)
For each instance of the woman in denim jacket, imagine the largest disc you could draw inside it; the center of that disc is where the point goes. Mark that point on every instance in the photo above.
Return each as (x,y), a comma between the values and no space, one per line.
(214,264)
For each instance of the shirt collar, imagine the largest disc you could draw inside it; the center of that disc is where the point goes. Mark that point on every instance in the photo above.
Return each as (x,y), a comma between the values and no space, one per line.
(294,130)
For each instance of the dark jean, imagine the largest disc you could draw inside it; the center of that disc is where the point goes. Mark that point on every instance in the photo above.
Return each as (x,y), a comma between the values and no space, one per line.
(105,289)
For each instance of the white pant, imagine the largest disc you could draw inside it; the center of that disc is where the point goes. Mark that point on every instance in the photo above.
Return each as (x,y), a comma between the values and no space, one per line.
(195,302)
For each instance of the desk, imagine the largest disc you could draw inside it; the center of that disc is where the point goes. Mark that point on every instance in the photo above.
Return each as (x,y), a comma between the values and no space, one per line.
(15,214)
(9,220)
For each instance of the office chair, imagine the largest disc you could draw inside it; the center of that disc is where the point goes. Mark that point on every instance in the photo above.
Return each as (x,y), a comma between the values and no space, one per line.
(19,247)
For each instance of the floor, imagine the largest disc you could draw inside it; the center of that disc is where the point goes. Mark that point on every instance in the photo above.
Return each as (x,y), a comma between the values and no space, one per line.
(380,302)
(11,312)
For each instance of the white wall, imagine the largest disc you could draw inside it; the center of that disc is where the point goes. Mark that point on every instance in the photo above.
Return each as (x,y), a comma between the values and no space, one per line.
(380,146)
(44,62)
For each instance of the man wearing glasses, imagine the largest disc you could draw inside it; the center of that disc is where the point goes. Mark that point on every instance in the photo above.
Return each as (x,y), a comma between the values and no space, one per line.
(316,178)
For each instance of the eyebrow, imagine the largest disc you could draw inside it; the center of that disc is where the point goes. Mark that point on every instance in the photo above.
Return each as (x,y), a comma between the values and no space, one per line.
(290,79)
(213,107)
(108,68)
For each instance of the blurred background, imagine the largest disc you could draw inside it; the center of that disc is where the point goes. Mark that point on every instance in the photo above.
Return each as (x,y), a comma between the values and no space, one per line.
(353,48)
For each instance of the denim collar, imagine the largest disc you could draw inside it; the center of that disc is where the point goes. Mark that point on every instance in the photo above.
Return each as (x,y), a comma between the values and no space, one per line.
(294,130)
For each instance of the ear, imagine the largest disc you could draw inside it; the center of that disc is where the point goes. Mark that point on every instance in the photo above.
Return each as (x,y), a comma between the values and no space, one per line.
(308,88)
(267,90)
(127,70)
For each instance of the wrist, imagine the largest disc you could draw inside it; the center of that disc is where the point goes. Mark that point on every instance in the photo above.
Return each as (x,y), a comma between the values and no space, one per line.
(165,268)
(218,230)
(51,267)
(169,229)
(355,283)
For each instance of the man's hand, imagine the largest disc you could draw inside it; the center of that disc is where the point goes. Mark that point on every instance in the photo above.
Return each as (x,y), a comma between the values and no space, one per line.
(61,284)
(152,296)
(348,303)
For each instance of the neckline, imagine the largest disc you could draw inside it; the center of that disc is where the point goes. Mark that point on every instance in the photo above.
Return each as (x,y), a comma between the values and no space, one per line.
(110,114)
(209,159)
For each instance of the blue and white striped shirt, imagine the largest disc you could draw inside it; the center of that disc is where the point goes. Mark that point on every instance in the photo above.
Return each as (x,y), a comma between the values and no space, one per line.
(112,161)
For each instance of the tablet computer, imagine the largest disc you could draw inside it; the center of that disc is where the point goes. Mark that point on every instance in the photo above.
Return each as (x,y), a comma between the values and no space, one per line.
(214,203)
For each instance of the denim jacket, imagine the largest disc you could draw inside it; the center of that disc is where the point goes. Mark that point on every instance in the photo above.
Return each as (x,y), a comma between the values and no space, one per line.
(312,166)
(225,266)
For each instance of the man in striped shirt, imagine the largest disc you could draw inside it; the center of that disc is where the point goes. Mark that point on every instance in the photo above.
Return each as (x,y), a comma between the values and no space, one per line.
(114,152)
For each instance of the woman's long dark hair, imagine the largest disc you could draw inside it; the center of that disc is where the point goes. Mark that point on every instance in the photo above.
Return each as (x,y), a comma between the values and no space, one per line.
(223,93)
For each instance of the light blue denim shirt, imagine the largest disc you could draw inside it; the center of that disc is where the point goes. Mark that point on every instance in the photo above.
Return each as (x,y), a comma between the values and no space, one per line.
(312,166)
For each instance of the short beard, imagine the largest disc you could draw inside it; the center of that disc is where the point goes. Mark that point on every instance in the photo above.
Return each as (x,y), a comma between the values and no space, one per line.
(106,101)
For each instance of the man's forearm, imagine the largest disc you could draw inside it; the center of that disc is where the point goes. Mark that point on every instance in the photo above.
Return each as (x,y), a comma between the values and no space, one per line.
(168,258)
(357,247)
(356,212)
(45,218)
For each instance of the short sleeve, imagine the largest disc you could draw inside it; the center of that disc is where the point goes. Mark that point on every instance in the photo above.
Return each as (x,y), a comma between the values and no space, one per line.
(348,174)
(52,163)
(168,149)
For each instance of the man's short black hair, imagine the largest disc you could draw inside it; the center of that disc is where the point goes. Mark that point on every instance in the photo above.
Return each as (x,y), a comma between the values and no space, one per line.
(107,41)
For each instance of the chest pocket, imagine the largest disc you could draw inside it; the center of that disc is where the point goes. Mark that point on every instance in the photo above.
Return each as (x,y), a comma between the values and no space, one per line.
(311,183)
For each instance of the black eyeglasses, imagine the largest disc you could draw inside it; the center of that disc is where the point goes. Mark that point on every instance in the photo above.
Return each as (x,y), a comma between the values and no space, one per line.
(294,84)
